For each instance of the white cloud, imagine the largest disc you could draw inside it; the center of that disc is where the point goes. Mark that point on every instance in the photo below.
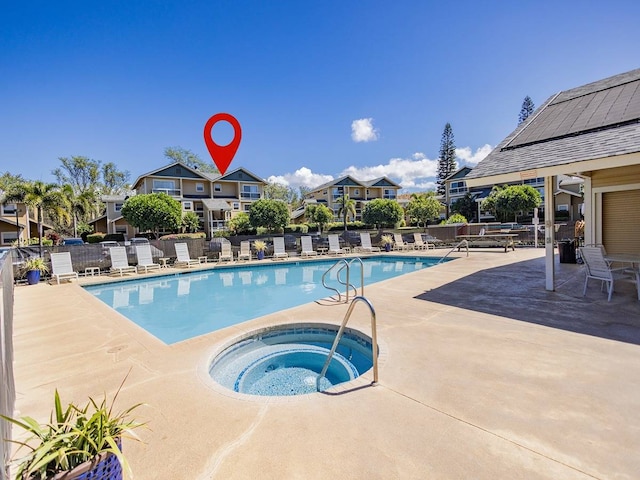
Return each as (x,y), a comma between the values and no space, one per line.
(362,130)
(472,159)
(303,177)
(416,173)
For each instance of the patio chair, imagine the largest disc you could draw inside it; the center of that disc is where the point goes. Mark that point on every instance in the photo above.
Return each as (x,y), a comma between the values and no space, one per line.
(420,244)
(334,245)
(278,248)
(400,243)
(598,268)
(365,243)
(226,255)
(61,266)
(182,256)
(245,250)
(119,261)
(145,260)
(307,247)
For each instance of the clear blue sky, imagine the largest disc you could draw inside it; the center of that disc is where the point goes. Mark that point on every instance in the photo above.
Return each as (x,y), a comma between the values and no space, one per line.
(120,81)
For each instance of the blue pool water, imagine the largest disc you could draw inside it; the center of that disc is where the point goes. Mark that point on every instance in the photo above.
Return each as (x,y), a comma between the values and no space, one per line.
(181,306)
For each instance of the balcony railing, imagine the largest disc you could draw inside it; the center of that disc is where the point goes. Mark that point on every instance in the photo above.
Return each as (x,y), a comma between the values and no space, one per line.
(454,191)
(169,191)
(217,225)
(250,196)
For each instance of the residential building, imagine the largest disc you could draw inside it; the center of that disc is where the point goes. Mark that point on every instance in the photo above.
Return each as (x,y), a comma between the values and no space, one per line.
(590,132)
(17,222)
(361,191)
(215,198)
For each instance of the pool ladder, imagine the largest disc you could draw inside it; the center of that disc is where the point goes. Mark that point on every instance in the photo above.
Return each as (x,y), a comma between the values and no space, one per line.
(344,265)
(374,340)
(463,243)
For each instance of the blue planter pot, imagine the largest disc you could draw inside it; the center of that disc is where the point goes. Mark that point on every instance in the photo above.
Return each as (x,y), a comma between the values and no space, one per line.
(260,255)
(387,247)
(33,277)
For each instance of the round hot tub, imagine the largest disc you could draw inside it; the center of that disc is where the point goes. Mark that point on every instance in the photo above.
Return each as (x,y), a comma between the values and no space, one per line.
(286,360)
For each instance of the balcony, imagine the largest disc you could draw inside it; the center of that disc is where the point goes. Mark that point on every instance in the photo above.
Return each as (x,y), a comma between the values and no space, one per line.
(457,191)
(215,225)
(250,196)
(169,191)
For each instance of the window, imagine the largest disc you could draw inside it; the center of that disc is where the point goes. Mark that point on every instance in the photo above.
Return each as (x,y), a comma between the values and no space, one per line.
(562,208)
(200,187)
(457,187)
(187,206)
(250,191)
(117,207)
(9,209)
(389,194)
(9,237)
(165,186)
(217,187)
(367,191)
(247,207)
(236,205)
(356,192)
(336,192)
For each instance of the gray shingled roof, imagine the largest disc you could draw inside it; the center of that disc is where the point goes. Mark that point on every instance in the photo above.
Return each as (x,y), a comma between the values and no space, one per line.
(598,120)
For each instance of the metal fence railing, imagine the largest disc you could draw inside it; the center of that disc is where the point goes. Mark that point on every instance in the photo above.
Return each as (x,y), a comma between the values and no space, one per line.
(8,391)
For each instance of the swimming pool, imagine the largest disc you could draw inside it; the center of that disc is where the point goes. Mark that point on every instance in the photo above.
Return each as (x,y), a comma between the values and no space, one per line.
(181,306)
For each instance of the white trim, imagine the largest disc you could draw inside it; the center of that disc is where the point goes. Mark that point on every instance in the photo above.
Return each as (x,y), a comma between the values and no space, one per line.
(549,236)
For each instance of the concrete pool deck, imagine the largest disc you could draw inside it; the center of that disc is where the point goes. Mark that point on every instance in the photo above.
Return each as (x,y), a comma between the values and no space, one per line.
(483,375)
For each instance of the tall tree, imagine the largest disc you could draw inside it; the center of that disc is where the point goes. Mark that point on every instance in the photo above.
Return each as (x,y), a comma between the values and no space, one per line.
(423,207)
(152,212)
(114,181)
(446,158)
(44,198)
(347,209)
(271,214)
(81,173)
(382,212)
(277,191)
(527,109)
(82,207)
(190,159)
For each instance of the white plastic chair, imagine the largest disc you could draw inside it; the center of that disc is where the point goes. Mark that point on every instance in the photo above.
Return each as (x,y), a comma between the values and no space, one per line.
(365,243)
(334,245)
(145,259)
(400,243)
(61,266)
(226,255)
(119,261)
(307,247)
(420,244)
(278,248)
(182,256)
(598,268)
(245,250)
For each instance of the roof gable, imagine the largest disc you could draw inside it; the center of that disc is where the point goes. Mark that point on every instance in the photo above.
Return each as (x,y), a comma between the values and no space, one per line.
(460,173)
(175,169)
(240,175)
(381,182)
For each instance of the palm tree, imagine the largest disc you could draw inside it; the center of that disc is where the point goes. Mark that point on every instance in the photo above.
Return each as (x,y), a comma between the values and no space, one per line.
(83,205)
(44,198)
(347,207)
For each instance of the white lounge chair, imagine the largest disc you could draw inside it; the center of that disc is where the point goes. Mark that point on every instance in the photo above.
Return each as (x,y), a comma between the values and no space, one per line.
(119,261)
(278,248)
(597,267)
(400,243)
(307,247)
(226,255)
(145,259)
(61,266)
(365,243)
(245,250)
(334,245)
(420,244)
(182,256)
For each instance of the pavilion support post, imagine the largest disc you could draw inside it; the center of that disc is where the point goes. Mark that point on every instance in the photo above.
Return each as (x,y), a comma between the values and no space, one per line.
(549,234)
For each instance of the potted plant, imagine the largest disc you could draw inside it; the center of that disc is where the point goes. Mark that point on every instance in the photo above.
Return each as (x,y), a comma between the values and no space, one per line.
(260,246)
(34,267)
(77,442)
(386,241)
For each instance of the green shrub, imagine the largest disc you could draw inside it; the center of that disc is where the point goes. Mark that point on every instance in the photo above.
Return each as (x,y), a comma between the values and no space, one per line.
(95,237)
(294,228)
(182,236)
(114,237)
(222,234)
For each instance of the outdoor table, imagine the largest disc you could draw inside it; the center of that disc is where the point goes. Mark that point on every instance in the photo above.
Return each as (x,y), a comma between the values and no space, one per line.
(505,239)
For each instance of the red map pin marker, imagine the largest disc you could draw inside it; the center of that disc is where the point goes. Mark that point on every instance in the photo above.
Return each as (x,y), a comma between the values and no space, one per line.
(222,155)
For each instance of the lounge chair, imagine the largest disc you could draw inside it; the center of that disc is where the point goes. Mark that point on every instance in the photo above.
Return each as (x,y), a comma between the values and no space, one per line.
(307,247)
(61,266)
(182,256)
(226,255)
(420,244)
(334,245)
(365,243)
(278,248)
(145,260)
(245,250)
(119,261)
(400,243)
(597,267)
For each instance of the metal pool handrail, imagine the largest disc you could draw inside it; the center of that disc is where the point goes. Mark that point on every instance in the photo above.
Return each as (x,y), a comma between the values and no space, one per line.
(463,243)
(324,284)
(348,284)
(374,340)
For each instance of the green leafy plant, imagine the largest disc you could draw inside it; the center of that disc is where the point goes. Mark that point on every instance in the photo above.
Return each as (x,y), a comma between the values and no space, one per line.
(386,240)
(73,436)
(36,263)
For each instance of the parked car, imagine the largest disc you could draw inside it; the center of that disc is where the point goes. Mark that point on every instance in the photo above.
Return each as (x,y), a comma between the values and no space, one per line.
(72,241)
